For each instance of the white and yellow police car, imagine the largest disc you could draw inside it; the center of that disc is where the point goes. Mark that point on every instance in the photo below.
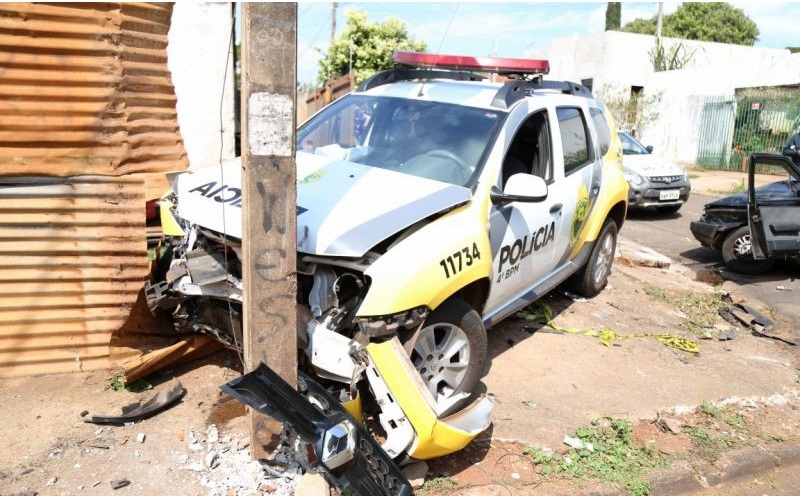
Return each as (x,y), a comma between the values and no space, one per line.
(431,204)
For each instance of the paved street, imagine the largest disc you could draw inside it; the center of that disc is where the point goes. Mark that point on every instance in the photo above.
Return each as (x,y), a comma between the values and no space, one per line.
(670,235)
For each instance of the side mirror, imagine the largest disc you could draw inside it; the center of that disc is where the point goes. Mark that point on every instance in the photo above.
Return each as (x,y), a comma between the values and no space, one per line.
(649,148)
(524,188)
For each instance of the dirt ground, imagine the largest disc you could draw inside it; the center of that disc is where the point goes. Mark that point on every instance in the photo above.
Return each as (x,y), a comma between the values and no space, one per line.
(545,384)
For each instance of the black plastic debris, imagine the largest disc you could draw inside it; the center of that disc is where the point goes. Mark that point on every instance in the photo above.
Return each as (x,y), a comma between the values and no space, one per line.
(119,483)
(366,471)
(142,410)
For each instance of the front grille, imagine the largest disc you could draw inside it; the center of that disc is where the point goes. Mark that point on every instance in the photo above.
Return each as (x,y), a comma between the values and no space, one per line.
(666,179)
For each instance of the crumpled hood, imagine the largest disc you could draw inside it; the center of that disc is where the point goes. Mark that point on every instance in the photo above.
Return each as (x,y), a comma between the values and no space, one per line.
(344,208)
(776,190)
(651,165)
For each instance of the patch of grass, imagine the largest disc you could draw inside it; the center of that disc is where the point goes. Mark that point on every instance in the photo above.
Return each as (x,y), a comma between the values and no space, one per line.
(701,309)
(710,409)
(736,421)
(721,413)
(609,454)
(710,446)
(117,383)
(439,484)
(738,187)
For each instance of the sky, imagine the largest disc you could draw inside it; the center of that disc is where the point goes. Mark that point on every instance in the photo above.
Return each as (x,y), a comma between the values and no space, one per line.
(508,29)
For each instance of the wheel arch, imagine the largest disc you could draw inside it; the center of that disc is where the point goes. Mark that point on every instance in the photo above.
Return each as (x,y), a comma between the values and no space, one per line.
(618,213)
(475,294)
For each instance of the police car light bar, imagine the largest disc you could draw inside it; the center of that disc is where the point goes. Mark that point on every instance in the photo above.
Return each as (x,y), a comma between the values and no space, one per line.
(461,62)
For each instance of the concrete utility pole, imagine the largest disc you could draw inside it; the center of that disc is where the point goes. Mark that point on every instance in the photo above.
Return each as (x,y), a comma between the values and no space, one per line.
(659,21)
(333,22)
(269,189)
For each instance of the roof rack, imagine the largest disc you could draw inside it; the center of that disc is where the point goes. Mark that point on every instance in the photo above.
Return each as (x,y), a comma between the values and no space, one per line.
(405,74)
(515,90)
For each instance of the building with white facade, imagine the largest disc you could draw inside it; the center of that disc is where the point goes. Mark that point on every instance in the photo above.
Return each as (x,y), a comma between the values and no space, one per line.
(715,69)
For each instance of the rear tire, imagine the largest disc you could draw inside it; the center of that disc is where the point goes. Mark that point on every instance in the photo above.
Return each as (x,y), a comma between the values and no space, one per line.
(737,251)
(593,277)
(450,352)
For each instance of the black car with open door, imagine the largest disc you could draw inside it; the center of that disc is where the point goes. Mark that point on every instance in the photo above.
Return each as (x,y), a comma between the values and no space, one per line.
(774,222)
(775,211)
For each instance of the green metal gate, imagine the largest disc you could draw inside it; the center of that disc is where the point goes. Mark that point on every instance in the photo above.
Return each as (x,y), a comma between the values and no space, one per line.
(716,131)
(755,120)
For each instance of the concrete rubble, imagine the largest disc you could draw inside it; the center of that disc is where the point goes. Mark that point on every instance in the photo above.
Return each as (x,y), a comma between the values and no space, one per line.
(224,466)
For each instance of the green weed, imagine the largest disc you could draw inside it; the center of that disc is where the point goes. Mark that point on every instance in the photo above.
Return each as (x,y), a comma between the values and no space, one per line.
(613,458)
(708,445)
(701,309)
(711,409)
(738,187)
(437,485)
(117,383)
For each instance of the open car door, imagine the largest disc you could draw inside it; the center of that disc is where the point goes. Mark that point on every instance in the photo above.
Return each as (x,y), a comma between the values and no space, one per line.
(774,222)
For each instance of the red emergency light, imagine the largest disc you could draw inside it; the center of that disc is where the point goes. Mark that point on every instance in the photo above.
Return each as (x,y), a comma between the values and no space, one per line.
(461,62)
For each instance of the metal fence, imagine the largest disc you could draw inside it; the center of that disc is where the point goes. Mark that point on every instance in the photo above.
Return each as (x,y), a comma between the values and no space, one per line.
(754,120)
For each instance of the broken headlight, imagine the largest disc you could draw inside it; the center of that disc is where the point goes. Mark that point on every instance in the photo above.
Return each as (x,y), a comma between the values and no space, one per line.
(388,325)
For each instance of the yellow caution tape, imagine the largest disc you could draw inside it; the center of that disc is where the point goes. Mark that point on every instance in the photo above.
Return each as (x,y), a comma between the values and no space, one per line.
(541,311)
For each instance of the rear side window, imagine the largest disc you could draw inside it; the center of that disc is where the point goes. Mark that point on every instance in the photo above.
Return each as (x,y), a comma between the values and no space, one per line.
(603,132)
(575,140)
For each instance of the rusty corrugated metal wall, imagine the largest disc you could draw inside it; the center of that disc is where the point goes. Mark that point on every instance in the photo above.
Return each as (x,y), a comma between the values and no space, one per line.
(85,95)
(73,256)
(85,89)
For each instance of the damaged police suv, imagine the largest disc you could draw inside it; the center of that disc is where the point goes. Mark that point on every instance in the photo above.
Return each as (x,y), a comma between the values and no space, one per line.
(431,204)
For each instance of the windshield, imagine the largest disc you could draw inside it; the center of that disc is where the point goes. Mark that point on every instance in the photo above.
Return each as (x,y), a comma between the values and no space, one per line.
(630,146)
(439,141)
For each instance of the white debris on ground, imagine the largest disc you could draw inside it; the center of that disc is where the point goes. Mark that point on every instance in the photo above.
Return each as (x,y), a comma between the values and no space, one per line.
(225,467)
(788,396)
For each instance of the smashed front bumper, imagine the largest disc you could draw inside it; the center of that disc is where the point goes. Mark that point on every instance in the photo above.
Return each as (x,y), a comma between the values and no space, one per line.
(355,463)
(711,234)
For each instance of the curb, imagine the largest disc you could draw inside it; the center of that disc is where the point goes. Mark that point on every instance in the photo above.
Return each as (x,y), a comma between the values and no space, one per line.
(637,254)
(682,479)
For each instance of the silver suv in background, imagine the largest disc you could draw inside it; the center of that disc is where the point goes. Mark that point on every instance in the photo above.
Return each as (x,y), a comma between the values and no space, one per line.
(655,181)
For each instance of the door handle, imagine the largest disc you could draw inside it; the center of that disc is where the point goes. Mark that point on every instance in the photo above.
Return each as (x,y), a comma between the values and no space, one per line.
(556,208)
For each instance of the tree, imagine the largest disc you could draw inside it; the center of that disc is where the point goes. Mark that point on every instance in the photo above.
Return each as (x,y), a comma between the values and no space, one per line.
(713,21)
(632,111)
(613,16)
(366,47)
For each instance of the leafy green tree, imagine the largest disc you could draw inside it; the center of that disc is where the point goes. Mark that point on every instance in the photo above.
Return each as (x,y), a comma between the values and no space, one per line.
(365,46)
(641,26)
(712,21)
(613,16)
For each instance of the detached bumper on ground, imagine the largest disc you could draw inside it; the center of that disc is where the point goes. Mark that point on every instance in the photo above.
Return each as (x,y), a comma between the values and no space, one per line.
(355,463)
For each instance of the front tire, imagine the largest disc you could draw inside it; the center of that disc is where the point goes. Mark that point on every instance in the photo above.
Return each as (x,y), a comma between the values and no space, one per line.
(593,277)
(737,251)
(450,352)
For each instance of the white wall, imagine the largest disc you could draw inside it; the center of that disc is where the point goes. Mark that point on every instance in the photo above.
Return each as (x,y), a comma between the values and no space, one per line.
(198,52)
(622,59)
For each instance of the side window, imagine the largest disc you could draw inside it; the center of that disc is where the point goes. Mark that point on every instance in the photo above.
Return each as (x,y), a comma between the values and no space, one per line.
(529,152)
(574,138)
(603,132)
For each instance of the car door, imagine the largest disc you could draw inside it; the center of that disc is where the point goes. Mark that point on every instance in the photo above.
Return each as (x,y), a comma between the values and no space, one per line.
(523,235)
(579,178)
(774,221)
